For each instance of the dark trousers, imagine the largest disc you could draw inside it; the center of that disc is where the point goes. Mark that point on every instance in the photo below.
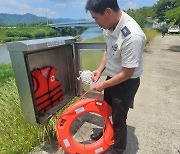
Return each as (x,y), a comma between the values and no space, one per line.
(120,98)
(163,34)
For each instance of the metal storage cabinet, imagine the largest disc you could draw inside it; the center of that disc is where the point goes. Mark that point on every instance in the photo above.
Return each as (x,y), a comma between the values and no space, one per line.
(63,53)
(31,54)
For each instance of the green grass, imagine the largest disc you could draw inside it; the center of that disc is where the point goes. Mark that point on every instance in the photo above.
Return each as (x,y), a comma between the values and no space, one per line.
(17,136)
(5,73)
(91,59)
(31,32)
(97,39)
(150,34)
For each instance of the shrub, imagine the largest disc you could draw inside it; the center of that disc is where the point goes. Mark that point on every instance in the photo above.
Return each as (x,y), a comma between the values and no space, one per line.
(18,34)
(8,39)
(40,34)
(52,34)
(10,34)
(24,34)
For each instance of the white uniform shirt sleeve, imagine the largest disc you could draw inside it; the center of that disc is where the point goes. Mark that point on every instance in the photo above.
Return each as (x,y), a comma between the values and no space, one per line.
(131,51)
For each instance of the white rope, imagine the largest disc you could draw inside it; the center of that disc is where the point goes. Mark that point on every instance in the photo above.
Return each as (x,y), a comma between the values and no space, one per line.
(86,77)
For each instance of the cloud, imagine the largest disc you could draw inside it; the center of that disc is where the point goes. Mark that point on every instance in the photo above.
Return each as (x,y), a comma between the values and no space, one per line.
(131,5)
(60,5)
(128,4)
(78,3)
(21,7)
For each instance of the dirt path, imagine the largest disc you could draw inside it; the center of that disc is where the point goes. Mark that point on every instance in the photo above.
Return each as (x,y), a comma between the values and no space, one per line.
(154,124)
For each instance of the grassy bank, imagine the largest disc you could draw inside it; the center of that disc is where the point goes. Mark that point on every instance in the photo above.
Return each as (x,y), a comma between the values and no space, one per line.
(17,136)
(29,33)
(150,34)
(6,73)
(20,33)
(96,39)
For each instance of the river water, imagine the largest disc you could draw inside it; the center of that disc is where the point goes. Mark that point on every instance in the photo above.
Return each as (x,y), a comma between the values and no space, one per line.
(89,33)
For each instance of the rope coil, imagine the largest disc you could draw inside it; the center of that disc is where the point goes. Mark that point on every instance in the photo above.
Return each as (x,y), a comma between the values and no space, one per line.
(86,77)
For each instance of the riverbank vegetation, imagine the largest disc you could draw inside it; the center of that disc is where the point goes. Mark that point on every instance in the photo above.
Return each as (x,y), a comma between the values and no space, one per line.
(16,135)
(6,73)
(8,34)
(96,39)
(149,32)
(163,11)
(26,33)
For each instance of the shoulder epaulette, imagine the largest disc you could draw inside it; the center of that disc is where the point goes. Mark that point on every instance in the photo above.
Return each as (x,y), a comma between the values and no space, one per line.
(125,31)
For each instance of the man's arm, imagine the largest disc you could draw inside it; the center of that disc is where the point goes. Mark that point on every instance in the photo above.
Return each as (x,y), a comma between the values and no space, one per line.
(131,57)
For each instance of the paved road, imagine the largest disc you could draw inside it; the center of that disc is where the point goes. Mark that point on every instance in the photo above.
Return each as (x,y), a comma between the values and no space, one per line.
(154,123)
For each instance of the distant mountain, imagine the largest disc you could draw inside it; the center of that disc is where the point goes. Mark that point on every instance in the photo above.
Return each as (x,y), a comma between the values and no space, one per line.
(13,19)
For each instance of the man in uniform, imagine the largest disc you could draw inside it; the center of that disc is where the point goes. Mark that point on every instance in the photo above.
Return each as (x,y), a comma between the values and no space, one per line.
(123,62)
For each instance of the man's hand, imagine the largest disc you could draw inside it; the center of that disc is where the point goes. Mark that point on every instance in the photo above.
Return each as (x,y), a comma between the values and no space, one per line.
(100,86)
(119,78)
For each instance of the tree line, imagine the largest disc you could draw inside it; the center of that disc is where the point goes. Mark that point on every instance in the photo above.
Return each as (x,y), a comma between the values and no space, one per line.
(8,34)
(163,10)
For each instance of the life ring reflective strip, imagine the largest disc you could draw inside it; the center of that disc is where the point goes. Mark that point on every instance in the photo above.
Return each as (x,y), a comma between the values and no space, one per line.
(64,124)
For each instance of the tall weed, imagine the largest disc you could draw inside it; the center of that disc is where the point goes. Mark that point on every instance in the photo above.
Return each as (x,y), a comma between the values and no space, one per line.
(150,34)
(16,136)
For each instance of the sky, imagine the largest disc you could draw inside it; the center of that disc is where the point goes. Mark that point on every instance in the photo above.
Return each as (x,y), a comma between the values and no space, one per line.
(73,9)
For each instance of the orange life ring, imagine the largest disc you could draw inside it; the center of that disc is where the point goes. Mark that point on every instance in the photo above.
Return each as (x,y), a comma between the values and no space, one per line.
(77,109)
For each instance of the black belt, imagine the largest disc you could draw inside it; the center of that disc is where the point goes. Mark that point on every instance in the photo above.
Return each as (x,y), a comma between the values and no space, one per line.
(108,77)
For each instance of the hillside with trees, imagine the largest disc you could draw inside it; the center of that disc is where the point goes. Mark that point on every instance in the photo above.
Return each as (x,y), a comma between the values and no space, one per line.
(26,19)
(163,10)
